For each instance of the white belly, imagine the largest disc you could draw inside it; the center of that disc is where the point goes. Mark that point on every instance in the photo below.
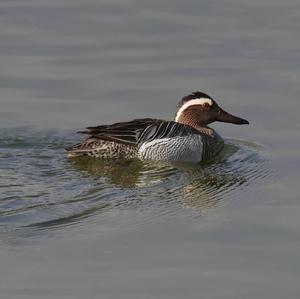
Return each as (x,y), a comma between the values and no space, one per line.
(183,149)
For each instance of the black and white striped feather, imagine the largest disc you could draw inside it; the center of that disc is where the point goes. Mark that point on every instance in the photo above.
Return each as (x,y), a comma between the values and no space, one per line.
(138,131)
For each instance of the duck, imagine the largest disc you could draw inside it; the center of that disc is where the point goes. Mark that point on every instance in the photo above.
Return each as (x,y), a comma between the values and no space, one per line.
(187,138)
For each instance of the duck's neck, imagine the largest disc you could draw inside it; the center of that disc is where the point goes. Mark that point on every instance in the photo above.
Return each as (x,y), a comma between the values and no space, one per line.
(188,120)
(203,128)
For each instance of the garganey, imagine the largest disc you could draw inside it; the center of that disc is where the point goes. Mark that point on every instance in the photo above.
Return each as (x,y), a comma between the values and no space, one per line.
(186,139)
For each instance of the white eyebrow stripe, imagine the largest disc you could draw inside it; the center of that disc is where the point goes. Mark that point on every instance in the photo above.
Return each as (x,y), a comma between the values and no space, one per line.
(200,101)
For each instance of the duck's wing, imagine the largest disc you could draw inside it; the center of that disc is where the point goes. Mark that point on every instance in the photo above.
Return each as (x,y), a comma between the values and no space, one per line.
(165,129)
(138,131)
(123,132)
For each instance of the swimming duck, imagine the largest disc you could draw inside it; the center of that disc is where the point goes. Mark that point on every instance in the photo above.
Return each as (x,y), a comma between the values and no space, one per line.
(186,139)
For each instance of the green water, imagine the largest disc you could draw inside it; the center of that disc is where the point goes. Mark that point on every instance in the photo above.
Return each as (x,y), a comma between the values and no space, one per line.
(86,228)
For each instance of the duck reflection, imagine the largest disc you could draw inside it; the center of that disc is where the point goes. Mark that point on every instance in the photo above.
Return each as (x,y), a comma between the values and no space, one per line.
(196,186)
(124,173)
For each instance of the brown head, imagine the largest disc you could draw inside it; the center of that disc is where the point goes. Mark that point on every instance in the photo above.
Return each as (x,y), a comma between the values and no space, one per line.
(198,110)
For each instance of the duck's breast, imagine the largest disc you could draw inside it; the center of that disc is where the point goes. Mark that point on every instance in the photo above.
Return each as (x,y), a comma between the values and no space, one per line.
(182,148)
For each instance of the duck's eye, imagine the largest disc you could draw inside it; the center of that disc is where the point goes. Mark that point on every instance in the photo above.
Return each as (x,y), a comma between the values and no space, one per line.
(206,105)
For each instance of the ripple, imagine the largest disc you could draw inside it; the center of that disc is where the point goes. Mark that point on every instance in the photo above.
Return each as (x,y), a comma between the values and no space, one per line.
(41,189)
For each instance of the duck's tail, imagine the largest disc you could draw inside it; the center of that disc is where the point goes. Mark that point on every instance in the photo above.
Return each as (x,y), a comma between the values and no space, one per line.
(76,150)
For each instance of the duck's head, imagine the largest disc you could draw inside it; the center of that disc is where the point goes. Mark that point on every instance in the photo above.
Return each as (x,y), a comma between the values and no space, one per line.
(199,109)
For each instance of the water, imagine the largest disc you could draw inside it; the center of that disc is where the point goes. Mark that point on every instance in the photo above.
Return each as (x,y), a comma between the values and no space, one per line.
(94,229)
(43,189)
